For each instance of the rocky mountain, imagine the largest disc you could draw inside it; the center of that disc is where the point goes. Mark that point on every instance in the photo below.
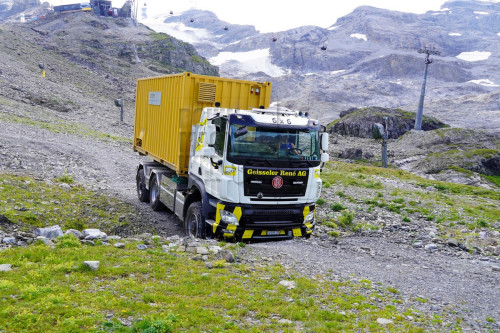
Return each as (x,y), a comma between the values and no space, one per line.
(366,58)
(89,61)
(12,9)
(358,122)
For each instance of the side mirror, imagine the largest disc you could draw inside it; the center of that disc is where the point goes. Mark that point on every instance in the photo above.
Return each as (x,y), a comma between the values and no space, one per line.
(118,103)
(324,141)
(206,152)
(324,157)
(210,132)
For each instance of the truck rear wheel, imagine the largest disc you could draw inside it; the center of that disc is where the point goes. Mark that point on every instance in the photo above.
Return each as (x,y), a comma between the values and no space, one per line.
(194,223)
(142,191)
(154,194)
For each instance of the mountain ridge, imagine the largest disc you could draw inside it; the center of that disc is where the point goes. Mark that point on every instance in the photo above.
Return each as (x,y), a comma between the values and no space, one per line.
(370,49)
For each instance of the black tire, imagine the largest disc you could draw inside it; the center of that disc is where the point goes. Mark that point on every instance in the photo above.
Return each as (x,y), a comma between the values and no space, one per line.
(154,194)
(194,223)
(142,191)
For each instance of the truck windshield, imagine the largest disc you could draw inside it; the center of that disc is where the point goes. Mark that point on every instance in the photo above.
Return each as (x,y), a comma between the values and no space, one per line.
(271,143)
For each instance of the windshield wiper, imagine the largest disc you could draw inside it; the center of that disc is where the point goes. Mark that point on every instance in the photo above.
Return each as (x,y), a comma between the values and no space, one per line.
(302,163)
(258,162)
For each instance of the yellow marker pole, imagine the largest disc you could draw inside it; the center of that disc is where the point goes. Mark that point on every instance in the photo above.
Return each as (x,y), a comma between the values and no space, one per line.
(43,72)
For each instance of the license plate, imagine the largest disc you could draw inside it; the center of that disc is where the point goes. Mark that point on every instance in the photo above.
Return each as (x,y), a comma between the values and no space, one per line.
(273,232)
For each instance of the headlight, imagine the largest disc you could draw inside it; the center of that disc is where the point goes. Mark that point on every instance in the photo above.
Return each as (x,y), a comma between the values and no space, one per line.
(228,217)
(309,218)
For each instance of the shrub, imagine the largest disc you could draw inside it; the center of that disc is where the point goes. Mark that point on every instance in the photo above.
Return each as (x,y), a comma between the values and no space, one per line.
(320,202)
(482,224)
(337,207)
(346,218)
(68,241)
(331,224)
(68,179)
(398,200)
(334,233)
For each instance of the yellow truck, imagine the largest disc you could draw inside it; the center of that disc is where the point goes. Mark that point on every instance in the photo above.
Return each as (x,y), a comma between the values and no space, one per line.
(223,160)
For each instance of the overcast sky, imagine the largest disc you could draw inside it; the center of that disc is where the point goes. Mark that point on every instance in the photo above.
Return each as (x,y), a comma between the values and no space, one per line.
(278,15)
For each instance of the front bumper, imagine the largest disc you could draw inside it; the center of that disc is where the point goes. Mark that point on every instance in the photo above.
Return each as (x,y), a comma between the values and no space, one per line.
(264,221)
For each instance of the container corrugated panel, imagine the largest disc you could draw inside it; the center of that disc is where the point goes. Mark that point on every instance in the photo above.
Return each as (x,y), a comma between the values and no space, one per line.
(167,107)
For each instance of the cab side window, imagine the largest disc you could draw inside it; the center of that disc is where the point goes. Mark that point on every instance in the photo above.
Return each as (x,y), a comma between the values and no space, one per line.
(220,125)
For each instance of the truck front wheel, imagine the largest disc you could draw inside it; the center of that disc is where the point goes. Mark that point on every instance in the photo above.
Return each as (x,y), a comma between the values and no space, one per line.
(194,223)
(142,191)
(154,194)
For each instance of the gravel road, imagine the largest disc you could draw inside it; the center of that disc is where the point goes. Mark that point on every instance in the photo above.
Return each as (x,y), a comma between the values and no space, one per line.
(467,288)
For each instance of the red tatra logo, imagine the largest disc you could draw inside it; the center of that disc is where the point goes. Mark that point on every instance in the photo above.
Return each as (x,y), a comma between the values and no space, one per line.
(277,182)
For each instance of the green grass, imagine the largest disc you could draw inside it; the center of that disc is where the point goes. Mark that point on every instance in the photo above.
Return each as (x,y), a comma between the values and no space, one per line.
(494,179)
(320,202)
(155,36)
(346,219)
(59,126)
(30,203)
(66,178)
(450,205)
(337,207)
(51,290)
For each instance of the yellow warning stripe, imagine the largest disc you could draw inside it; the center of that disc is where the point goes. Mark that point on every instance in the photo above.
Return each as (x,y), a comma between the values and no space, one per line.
(237,212)
(199,144)
(217,216)
(247,234)
(306,211)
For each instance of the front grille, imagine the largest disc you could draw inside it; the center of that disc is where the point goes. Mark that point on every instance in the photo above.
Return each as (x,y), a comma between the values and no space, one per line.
(259,182)
(262,217)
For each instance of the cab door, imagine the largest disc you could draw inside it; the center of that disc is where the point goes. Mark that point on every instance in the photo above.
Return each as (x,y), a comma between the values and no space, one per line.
(214,166)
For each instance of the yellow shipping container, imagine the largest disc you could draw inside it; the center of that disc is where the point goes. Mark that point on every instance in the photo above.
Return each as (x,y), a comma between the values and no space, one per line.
(167,106)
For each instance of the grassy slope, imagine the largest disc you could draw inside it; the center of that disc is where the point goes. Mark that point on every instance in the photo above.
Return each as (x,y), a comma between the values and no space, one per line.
(451,207)
(51,290)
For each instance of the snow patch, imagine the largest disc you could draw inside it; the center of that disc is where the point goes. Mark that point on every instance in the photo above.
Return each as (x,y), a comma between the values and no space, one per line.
(177,30)
(399,82)
(474,56)
(484,82)
(454,34)
(359,36)
(481,13)
(334,27)
(251,61)
(498,34)
(337,72)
